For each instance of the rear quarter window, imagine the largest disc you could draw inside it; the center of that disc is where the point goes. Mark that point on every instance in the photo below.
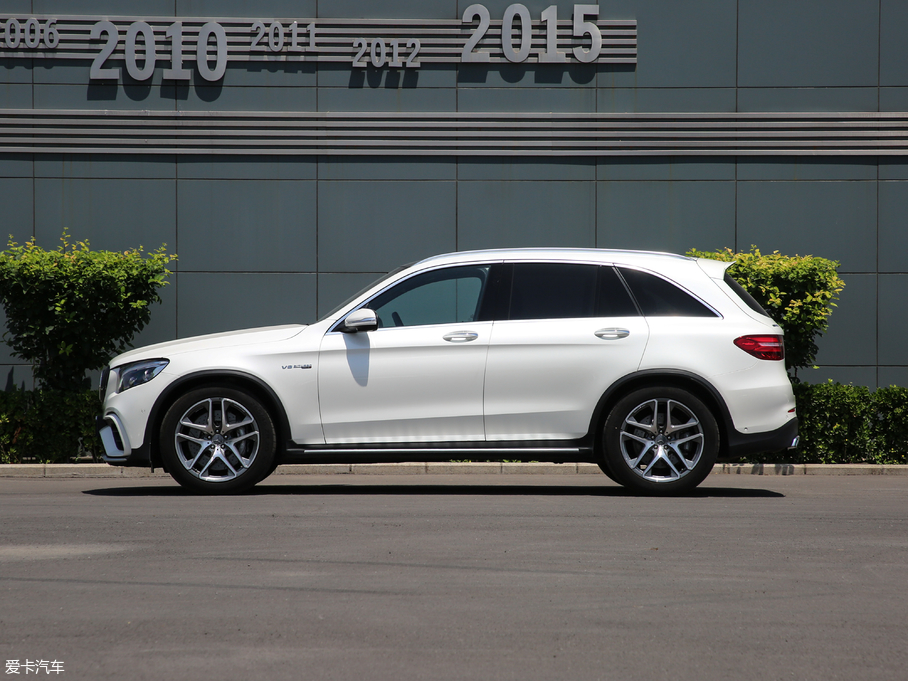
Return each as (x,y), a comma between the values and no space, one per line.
(745,297)
(660,298)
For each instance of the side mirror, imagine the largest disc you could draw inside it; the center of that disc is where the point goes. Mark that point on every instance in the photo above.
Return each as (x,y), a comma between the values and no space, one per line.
(362,319)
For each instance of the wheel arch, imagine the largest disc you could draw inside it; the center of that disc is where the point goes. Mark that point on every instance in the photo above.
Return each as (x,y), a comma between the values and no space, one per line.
(237,380)
(674,378)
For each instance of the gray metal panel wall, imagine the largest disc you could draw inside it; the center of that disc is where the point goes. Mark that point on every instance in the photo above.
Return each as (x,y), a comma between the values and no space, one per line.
(783,125)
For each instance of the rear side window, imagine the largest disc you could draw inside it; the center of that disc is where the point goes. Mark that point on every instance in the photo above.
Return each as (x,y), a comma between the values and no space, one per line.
(748,299)
(660,298)
(614,300)
(553,291)
(558,291)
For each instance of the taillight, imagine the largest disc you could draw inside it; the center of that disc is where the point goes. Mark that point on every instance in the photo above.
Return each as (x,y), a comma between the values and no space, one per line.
(762,347)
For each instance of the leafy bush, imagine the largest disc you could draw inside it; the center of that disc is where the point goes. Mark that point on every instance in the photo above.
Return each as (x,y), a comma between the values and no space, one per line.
(71,309)
(889,425)
(48,426)
(847,424)
(834,422)
(798,292)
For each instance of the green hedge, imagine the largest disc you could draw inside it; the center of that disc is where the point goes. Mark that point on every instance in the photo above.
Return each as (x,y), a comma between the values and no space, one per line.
(48,426)
(848,424)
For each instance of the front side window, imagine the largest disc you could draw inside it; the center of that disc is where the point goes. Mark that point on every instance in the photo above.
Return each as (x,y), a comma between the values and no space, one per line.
(445,296)
(375,283)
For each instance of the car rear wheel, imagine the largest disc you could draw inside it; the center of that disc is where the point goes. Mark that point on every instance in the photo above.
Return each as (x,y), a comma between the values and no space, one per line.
(217,440)
(660,441)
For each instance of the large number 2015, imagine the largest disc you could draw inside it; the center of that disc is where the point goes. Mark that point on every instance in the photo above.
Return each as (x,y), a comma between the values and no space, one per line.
(144,70)
(518,13)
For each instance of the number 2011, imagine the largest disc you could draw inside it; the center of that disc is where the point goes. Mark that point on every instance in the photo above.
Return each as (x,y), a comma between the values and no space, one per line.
(518,13)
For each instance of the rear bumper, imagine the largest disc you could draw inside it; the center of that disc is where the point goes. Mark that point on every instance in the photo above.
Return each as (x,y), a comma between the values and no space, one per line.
(743,444)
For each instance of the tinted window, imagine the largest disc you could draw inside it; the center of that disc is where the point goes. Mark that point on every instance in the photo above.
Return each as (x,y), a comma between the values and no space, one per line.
(363,290)
(445,296)
(553,291)
(497,295)
(614,300)
(660,298)
(744,295)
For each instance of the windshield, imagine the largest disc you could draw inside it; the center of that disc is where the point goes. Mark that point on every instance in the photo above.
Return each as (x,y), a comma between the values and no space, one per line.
(356,295)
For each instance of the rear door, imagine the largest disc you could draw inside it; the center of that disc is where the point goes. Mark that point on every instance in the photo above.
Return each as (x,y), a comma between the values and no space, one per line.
(570,330)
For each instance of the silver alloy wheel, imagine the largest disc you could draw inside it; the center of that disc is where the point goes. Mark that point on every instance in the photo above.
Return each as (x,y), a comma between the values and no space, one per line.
(217,439)
(661,440)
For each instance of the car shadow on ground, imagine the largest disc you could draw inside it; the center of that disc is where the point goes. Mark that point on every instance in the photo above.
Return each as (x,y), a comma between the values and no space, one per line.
(420,489)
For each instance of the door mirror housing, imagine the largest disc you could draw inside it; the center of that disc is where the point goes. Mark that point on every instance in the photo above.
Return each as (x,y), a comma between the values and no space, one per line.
(362,319)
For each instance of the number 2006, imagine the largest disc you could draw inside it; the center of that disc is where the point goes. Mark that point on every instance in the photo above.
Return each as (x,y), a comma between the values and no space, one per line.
(13,35)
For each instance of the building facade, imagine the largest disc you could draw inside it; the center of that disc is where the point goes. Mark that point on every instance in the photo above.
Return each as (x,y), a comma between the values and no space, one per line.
(290,151)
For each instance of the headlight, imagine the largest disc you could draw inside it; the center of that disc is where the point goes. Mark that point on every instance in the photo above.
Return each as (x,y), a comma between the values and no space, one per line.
(138,373)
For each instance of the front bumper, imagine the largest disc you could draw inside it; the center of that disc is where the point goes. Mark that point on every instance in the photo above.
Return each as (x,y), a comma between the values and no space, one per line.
(117,450)
(743,444)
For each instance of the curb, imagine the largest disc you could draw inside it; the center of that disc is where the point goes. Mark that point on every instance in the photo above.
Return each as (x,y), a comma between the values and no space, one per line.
(103,470)
(809,469)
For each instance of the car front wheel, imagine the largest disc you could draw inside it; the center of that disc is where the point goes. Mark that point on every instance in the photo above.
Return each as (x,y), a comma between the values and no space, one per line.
(217,440)
(660,441)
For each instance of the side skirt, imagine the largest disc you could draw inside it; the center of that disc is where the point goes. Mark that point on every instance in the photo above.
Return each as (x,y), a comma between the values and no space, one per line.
(561,452)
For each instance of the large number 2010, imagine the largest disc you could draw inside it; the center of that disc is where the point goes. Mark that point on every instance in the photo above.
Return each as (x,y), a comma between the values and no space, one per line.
(518,13)
(145,69)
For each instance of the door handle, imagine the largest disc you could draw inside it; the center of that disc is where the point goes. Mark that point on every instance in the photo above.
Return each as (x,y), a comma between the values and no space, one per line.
(612,334)
(461,336)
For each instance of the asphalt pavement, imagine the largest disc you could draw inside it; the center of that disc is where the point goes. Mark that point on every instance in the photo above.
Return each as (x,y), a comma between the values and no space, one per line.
(456,577)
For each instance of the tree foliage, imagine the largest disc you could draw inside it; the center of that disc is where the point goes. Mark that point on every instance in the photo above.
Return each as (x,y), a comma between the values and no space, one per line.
(797,291)
(71,309)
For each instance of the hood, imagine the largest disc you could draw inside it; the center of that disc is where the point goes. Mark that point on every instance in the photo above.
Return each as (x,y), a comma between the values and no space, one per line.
(266,334)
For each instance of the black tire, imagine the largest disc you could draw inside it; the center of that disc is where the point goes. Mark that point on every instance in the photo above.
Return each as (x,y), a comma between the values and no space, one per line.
(210,458)
(660,441)
(604,467)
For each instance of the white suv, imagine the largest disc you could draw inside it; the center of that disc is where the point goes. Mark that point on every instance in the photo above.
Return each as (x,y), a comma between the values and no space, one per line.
(649,364)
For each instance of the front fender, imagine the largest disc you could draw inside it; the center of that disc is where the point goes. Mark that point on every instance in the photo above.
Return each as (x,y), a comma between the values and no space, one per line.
(235,379)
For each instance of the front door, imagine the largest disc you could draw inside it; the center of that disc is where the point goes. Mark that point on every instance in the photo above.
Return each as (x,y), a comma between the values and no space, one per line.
(419,376)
